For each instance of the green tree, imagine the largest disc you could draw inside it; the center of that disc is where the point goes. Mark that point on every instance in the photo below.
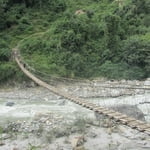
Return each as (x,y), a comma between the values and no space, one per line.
(112,35)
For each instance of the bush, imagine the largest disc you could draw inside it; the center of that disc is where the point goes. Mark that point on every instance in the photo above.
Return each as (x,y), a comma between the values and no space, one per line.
(121,71)
(112,70)
(112,32)
(71,41)
(135,52)
(7,70)
(3,24)
(80,123)
(5,51)
(53,5)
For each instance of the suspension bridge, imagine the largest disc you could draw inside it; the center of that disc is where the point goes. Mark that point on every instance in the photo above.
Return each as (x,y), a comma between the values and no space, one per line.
(116,116)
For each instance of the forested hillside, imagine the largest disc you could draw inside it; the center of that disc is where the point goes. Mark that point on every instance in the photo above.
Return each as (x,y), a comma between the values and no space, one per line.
(77,38)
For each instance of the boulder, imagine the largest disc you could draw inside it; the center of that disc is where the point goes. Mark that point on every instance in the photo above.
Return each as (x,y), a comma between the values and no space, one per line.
(10,104)
(62,103)
(80,12)
(130,110)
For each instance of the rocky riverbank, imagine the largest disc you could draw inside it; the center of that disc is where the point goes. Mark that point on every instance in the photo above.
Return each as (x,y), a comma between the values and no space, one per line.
(41,120)
(104,88)
(82,134)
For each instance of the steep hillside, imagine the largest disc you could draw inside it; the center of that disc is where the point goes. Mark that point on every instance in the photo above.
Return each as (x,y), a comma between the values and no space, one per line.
(88,38)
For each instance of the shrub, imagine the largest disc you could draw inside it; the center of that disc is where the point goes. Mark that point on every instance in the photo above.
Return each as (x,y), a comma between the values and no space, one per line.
(3,24)
(53,5)
(5,51)
(80,123)
(135,52)
(121,71)
(7,70)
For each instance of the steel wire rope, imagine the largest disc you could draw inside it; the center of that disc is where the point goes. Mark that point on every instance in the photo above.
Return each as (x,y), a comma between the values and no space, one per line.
(71,79)
(48,80)
(48,77)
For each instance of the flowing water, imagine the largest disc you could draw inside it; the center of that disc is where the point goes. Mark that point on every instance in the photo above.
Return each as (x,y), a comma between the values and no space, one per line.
(27,108)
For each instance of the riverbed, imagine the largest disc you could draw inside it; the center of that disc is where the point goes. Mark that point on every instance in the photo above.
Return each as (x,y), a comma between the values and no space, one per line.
(32,103)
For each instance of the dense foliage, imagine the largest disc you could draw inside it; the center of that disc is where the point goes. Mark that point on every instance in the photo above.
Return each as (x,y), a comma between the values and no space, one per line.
(105,39)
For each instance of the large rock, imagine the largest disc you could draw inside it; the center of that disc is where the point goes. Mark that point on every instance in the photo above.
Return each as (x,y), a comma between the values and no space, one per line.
(130,110)
(10,104)
(62,103)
